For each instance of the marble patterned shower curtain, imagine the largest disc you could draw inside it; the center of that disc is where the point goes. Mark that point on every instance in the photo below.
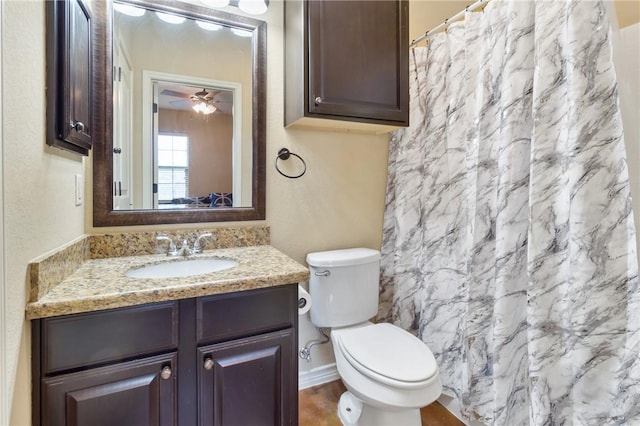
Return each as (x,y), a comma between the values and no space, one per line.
(508,242)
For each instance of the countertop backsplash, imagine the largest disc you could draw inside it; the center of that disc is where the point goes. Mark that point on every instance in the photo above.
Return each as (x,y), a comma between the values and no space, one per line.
(139,243)
(50,269)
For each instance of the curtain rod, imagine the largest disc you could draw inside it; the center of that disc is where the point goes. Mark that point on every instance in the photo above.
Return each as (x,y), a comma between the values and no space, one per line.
(449,21)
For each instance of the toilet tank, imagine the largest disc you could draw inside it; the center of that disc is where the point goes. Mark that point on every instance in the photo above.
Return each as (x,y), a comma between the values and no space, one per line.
(343,286)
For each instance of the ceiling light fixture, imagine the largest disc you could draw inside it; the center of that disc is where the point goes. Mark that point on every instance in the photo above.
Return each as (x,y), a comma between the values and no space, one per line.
(204,108)
(253,7)
(209,26)
(241,33)
(129,10)
(171,19)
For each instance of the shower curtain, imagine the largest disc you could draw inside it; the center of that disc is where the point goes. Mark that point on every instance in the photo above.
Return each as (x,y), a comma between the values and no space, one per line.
(508,243)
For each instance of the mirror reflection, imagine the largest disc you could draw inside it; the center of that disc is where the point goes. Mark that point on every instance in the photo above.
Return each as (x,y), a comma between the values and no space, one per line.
(192,147)
(182,112)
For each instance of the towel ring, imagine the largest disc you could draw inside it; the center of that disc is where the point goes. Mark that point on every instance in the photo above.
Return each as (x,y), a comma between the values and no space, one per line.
(284,154)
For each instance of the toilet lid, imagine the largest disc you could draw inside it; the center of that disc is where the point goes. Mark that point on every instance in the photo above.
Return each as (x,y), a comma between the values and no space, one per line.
(390,352)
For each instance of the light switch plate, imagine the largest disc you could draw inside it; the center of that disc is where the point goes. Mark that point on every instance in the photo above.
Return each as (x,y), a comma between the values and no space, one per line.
(79,190)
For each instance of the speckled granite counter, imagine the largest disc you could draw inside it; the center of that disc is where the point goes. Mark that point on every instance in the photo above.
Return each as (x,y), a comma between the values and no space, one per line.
(102,284)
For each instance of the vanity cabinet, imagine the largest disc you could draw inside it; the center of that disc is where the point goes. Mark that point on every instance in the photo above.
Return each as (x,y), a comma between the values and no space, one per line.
(226,359)
(69,75)
(140,392)
(347,64)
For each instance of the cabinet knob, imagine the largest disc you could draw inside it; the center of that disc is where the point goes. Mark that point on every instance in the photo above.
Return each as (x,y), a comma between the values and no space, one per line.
(78,126)
(318,100)
(208,363)
(117,150)
(166,373)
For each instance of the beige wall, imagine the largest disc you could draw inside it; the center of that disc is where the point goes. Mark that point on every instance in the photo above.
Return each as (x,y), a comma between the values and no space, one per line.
(39,208)
(628,12)
(426,14)
(210,148)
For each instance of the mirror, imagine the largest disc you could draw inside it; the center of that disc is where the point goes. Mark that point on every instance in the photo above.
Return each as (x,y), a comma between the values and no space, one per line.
(181,120)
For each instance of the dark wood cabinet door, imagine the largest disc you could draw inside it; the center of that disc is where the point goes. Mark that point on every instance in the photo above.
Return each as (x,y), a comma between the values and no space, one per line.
(358,55)
(250,381)
(69,75)
(136,393)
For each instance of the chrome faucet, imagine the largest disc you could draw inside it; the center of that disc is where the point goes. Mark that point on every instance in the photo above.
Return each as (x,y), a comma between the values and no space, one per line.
(184,249)
(172,247)
(197,246)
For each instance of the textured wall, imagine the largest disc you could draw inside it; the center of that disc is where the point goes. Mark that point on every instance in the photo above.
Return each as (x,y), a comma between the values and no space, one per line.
(628,12)
(39,208)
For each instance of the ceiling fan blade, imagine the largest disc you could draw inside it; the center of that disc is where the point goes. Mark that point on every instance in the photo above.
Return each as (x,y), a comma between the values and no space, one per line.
(180,103)
(169,92)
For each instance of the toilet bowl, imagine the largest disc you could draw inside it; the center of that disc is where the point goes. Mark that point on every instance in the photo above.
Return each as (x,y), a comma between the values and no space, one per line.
(392,372)
(388,372)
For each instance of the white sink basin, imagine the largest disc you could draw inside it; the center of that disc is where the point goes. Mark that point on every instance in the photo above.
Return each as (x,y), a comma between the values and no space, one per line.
(181,268)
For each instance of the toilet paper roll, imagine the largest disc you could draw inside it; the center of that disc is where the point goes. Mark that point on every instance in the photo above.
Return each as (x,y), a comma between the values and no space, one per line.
(304,301)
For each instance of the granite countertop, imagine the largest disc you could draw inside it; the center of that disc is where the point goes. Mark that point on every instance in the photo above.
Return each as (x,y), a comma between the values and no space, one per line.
(102,284)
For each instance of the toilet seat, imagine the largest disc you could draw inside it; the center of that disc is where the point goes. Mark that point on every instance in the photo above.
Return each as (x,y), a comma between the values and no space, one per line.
(388,354)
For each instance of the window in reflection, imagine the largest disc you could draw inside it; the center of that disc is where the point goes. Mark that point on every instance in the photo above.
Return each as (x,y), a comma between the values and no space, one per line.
(173,167)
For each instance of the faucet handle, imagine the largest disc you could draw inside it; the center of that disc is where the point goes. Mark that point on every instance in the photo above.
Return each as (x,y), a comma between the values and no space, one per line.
(172,247)
(197,247)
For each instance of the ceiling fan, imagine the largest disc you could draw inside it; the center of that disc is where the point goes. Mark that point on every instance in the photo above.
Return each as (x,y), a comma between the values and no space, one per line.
(203,96)
(204,101)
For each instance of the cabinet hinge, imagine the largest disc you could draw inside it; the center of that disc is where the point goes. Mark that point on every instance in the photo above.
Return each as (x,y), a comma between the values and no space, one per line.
(155,108)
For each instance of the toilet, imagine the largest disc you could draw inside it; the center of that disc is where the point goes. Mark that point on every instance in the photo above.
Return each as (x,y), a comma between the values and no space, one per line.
(388,372)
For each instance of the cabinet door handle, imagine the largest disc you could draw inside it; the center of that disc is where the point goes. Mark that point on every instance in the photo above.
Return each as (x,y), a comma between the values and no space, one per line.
(318,100)
(208,363)
(166,373)
(78,126)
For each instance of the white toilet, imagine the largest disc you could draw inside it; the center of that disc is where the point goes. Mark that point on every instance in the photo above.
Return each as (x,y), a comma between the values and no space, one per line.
(389,373)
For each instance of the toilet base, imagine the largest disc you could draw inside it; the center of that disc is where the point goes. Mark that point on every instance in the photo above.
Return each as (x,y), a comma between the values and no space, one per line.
(354,412)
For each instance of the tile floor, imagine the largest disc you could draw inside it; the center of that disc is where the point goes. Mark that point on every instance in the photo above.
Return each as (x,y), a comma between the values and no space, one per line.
(318,405)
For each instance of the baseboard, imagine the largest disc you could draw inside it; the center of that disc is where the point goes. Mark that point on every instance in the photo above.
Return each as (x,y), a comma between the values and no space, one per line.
(317,376)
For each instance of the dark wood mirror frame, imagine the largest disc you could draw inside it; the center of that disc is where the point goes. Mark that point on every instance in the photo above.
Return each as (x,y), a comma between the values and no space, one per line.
(103,212)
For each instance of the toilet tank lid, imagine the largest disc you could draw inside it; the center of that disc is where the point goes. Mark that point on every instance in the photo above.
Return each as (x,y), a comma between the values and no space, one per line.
(344,257)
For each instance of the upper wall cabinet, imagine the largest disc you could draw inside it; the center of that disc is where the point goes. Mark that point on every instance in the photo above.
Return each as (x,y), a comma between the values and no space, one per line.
(69,78)
(347,64)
